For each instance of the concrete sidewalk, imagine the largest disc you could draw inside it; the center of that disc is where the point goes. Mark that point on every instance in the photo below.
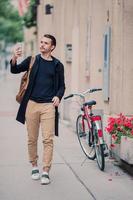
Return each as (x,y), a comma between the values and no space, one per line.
(71,177)
(15,180)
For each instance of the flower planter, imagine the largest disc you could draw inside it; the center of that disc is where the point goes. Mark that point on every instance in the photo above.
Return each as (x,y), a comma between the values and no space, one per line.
(121,130)
(116,152)
(126,149)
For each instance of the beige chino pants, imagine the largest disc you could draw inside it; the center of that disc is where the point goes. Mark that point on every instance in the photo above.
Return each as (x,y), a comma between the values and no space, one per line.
(40,114)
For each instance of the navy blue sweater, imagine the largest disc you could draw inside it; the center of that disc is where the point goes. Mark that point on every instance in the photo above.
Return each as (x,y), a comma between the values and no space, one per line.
(43,89)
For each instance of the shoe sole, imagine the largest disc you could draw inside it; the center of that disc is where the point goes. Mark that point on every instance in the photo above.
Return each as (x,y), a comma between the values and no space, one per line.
(42,183)
(45,183)
(37,178)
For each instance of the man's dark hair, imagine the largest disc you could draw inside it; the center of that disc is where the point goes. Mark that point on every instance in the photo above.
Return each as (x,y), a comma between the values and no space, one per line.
(52,38)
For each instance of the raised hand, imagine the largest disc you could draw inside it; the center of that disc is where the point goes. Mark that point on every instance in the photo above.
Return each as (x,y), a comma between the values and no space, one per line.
(17,52)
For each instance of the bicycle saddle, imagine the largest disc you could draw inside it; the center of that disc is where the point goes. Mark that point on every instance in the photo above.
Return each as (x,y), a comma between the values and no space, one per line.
(90,103)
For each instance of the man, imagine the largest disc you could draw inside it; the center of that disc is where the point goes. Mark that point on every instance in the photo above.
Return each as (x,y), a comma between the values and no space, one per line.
(40,102)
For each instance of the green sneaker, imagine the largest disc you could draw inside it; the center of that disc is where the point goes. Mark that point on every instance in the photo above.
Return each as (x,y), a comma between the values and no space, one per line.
(35,175)
(45,180)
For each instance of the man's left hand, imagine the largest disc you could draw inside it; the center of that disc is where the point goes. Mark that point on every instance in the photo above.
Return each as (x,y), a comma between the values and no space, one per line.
(56,101)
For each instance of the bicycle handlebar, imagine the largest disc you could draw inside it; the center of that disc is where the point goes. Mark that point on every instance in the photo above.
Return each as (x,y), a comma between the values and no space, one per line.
(92,90)
(84,93)
(69,96)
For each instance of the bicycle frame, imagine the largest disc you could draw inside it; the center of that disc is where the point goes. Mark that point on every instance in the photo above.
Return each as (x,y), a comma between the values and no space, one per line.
(88,115)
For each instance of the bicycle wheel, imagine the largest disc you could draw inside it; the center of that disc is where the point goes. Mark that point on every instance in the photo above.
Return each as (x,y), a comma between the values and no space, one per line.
(99,149)
(84,136)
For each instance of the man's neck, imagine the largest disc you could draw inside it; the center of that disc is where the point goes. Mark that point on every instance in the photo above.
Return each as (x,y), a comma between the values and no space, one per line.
(46,56)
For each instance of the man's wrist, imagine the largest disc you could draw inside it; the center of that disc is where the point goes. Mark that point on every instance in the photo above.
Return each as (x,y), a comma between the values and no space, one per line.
(14,60)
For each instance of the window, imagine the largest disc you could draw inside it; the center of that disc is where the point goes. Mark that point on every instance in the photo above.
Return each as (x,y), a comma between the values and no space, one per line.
(106,67)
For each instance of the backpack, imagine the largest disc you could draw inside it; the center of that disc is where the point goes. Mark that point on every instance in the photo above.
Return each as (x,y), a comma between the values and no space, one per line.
(24,82)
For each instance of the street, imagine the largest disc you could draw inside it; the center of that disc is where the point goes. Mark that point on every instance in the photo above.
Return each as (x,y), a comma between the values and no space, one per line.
(73,177)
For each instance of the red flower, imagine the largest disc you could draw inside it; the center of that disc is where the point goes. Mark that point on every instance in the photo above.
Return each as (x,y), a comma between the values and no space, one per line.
(109,129)
(114,137)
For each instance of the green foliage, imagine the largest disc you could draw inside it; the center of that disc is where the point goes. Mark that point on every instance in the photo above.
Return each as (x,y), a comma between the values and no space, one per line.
(30,16)
(11,28)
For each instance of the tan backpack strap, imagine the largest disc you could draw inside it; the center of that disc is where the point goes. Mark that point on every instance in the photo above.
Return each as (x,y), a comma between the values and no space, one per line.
(30,67)
(31,62)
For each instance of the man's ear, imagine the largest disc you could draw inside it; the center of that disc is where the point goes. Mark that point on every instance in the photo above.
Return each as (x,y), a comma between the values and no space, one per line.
(52,48)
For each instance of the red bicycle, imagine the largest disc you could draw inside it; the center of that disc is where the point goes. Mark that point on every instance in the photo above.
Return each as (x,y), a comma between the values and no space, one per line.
(89,130)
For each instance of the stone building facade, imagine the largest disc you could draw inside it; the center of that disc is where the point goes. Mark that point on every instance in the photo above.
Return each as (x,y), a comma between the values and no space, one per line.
(95,43)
